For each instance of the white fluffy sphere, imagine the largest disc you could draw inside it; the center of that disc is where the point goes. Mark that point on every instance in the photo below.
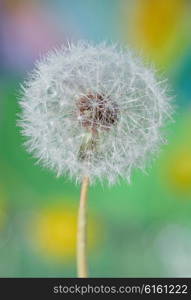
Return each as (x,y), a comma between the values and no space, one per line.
(93,110)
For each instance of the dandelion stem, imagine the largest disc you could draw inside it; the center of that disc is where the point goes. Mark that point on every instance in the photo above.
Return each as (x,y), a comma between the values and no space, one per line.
(82,230)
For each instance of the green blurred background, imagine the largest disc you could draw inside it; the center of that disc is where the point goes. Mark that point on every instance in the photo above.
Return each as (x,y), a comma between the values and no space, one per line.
(142,229)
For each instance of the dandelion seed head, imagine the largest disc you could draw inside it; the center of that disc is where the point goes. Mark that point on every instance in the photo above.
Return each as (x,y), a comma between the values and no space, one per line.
(94,111)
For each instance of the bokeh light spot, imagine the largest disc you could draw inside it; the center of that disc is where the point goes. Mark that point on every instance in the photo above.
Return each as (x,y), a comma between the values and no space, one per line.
(179,170)
(56,230)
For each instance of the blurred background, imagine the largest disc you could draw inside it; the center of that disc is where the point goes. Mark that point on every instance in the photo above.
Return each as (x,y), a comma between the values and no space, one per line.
(142,229)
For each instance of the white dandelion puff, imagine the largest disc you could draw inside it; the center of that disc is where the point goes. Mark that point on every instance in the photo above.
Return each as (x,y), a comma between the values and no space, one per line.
(93,111)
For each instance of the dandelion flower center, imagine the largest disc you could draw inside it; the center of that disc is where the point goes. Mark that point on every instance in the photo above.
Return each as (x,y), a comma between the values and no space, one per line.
(97,112)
